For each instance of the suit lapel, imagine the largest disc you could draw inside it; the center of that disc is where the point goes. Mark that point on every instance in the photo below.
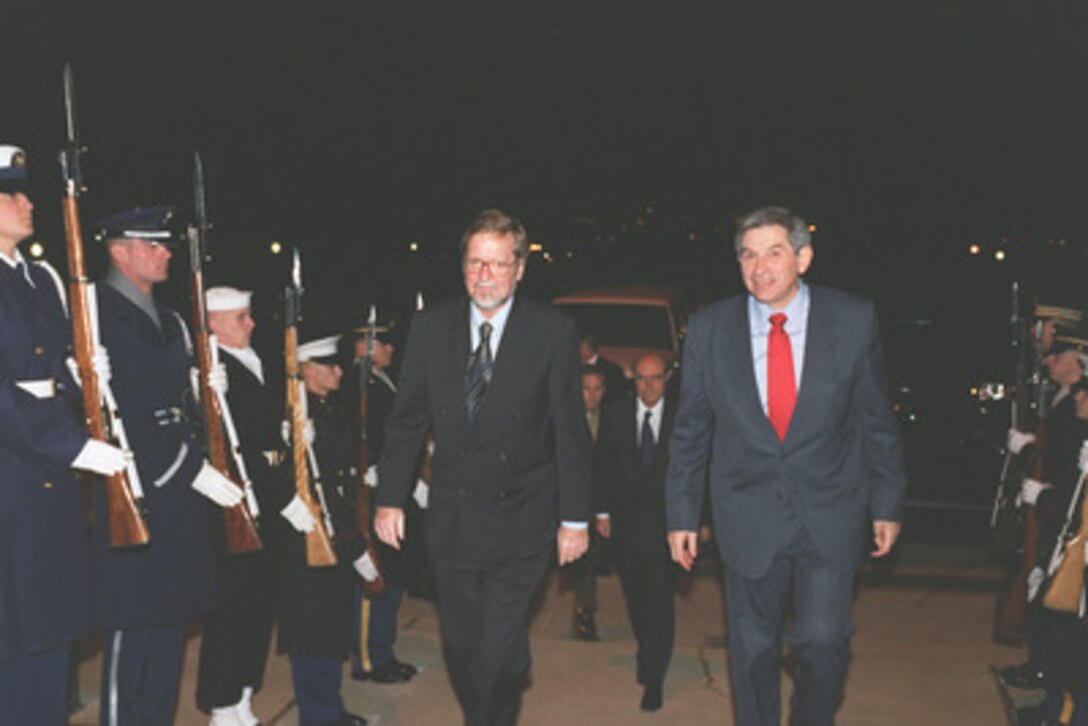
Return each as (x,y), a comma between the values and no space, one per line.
(818,364)
(741,372)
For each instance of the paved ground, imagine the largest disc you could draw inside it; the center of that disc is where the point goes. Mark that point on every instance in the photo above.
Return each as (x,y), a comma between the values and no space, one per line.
(922,655)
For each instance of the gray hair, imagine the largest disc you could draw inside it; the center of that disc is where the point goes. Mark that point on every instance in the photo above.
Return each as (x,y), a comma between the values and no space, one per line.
(498,222)
(795,227)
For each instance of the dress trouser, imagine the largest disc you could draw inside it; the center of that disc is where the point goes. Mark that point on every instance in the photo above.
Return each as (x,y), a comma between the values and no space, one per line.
(483,611)
(317,689)
(375,627)
(141,674)
(647,578)
(234,649)
(819,635)
(33,688)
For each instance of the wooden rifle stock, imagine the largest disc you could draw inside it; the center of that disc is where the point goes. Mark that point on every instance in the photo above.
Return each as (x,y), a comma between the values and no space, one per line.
(241,531)
(376,586)
(1010,624)
(319,552)
(1066,585)
(127,527)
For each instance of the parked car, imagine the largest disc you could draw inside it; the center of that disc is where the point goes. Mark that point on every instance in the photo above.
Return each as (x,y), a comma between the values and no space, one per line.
(630,321)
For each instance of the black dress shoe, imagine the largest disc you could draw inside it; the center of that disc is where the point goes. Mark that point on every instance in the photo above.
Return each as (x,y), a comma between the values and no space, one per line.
(389,672)
(1022,676)
(407,669)
(350,719)
(584,626)
(652,698)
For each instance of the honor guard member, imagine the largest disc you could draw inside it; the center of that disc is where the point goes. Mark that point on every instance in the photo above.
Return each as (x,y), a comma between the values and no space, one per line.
(376,615)
(316,602)
(147,595)
(44,567)
(234,649)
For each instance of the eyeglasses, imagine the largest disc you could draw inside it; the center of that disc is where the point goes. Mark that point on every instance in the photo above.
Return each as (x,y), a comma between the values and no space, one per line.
(654,377)
(497,267)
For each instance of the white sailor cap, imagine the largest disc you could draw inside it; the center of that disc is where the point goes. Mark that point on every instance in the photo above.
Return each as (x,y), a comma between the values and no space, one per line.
(227,298)
(322,350)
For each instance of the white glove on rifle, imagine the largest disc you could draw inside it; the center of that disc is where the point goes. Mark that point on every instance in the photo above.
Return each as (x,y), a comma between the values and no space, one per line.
(298,514)
(421,493)
(308,434)
(365,567)
(1017,440)
(370,478)
(100,361)
(217,487)
(217,379)
(1084,456)
(1030,489)
(98,457)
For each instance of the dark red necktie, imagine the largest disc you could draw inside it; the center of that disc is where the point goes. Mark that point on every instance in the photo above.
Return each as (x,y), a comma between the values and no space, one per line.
(781,384)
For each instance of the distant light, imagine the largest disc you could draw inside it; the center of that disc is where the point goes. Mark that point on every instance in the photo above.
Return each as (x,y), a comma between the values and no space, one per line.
(974,392)
(812,228)
(547,256)
(912,417)
(275,248)
(413,246)
(536,247)
(975,248)
(36,249)
(999,255)
(570,255)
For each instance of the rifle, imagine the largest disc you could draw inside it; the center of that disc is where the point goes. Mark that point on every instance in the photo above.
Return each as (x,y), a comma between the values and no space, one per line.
(241,531)
(124,495)
(1066,568)
(1016,528)
(319,552)
(365,364)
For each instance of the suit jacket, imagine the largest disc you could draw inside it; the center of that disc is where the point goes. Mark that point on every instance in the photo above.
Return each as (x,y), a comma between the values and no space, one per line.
(501,483)
(633,496)
(841,463)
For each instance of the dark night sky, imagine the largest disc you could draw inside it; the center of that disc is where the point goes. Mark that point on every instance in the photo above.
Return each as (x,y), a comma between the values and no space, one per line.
(901,129)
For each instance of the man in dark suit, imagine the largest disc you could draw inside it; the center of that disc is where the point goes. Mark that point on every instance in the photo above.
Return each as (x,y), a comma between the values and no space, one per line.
(496,379)
(784,409)
(617,387)
(630,472)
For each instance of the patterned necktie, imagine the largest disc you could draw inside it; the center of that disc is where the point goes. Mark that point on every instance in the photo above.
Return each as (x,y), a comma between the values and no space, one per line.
(781,384)
(478,373)
(648,443)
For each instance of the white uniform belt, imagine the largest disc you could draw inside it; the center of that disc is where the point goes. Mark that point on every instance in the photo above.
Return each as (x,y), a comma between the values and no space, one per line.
(42,388)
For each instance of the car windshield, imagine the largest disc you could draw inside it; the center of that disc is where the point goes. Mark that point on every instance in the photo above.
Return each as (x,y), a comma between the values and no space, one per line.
(635,326)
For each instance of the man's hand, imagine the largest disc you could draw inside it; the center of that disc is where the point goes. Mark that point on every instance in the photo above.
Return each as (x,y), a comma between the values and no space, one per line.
(885,533)
(604,526)
(389,525)
(684,546)
(572,543)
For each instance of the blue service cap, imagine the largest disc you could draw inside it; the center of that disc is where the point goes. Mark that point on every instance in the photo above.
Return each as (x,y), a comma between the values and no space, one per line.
(13,174)
(155,224)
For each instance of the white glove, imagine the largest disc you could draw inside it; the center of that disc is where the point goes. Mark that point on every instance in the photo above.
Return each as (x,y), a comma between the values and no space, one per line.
(1084,456)
(365,567)
(308,434)
(1035,581)
(370,478)
(99,457)
(421,493)
(1030,489)
(217,379)
(100,361)
(73,370)
(1017,440)
(217,487)
(298,514)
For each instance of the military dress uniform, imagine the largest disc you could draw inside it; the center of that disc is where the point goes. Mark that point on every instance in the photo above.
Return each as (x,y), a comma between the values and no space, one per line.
(315,616)
(148,594)
(44,568)
(234,649)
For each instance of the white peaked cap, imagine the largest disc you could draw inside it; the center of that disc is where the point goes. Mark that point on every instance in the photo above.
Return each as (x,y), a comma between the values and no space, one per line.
(227,298)
(320,348)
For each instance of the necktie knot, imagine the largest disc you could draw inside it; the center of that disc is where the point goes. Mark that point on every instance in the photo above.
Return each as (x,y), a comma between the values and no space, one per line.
(778,321)
(485,332)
